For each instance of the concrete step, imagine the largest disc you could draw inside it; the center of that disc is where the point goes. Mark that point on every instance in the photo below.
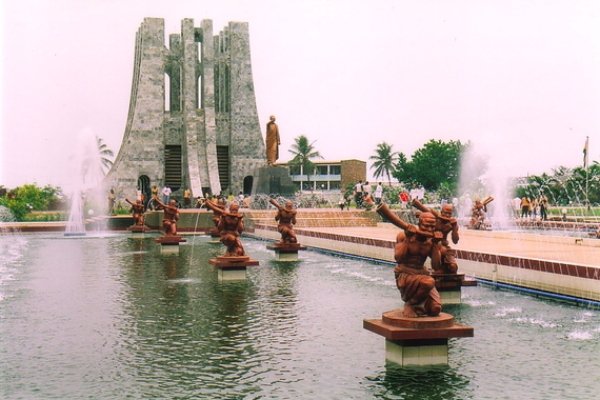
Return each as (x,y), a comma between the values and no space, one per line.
(315,218)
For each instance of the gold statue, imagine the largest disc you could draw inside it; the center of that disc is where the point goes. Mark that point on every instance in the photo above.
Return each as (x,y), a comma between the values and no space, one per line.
(273,141)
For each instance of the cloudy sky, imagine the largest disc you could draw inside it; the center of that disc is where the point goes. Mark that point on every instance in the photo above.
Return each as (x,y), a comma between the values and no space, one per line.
(520,79)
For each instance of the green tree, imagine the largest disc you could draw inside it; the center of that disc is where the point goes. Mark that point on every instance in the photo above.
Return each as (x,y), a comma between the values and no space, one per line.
(403,171)
(435,164)
(303,151)
(106,155)
(565,185)
(384,161)
(30,197)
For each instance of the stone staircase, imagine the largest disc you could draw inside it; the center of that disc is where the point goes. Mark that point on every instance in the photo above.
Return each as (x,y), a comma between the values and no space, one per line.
(315,218)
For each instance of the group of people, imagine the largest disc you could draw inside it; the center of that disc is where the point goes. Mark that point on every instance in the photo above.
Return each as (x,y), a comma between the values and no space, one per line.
(531,208)
(363,192)
(364,195)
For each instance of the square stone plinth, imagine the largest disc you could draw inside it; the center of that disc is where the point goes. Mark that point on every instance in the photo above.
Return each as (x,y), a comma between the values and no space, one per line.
(169,249)
(451,296)
(286,251)
(226,275)
(433,353)
(417,341)
(169,244)
(286,256)
(232,268)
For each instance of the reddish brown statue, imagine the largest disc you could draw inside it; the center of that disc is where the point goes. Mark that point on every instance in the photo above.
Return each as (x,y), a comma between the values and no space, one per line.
(446,224)
(286,218)
(137,212)
(231,226)
(170,217)
(478,213)
(218,209)
(413,245)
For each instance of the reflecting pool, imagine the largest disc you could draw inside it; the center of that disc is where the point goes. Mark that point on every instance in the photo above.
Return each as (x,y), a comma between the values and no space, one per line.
(110,317)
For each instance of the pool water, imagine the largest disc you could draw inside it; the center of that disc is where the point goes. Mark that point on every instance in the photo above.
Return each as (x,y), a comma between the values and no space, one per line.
(110,317)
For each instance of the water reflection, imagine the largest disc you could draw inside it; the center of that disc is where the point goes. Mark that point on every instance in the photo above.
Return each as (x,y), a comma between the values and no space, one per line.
(417,383)
(114,318)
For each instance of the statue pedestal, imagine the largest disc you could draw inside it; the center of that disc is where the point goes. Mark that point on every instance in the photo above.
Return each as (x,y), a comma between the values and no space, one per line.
(286,251)
(169,244)
(417,341)
(273,180)
(138,231)
(450,286)
(232,268)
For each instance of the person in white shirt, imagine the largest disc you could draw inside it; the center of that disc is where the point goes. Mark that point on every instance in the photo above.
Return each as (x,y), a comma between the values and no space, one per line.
(378,193)
(166,194)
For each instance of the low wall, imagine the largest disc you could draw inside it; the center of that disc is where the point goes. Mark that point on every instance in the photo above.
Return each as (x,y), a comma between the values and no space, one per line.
(579,281)
(192,220)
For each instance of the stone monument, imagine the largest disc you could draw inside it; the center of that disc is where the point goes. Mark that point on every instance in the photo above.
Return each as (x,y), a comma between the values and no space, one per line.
(192,120)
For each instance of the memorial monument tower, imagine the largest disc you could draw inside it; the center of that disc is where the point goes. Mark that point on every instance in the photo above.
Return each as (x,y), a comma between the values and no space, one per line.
(192,120)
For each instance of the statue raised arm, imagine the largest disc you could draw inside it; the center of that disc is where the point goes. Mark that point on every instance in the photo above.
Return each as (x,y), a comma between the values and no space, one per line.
(231,226)
(447,225)
(414,244)
(137,211)
(286,218)
(170,217)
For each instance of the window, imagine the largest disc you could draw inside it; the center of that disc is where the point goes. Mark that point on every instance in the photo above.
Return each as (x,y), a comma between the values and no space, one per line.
(294,169)
(335,170)
(321,170)
(173,170)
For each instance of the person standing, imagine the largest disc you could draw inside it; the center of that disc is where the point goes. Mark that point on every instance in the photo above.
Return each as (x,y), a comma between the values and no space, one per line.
(543,202)
(366,189)
(342,203)
(516,202)
(187,198)
(533,209)
(166,194)
(111,201)
(404,197)
(273,141)
(154,195)
(358,193)
(378,193)
(525,207)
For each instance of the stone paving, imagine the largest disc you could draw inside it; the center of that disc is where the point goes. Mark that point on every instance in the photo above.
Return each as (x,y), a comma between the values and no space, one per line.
(518,244)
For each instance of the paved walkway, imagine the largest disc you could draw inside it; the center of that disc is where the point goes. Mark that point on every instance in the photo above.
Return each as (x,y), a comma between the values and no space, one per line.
(517,244)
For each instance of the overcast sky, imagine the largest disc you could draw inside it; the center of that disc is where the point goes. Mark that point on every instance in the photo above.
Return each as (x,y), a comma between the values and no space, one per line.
(520,79)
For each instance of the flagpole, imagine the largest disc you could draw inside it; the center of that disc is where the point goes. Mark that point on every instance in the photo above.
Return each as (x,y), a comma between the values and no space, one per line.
(585,165)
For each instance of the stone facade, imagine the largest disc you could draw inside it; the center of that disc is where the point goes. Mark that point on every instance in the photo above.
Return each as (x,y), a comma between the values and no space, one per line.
(192,120)
(352,172)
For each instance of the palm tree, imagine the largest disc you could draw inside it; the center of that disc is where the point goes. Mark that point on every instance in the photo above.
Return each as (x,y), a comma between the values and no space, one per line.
(105,155)
(384,161)
(303,152)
